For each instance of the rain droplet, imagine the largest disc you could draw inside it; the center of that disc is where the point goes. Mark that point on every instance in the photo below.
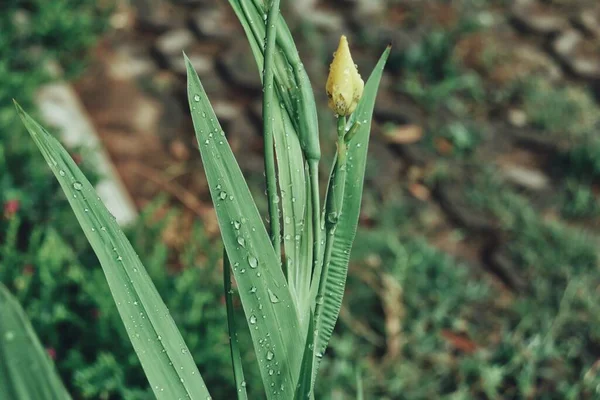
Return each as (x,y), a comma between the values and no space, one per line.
(61,173)
(77,185)
(253,262)
(196,98)
(241,241)
(253,319)
(270,355)
(223,195)
(253,289)
(272,296)
(236,224)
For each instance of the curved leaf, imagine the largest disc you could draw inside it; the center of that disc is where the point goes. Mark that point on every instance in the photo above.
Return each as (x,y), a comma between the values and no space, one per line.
(348,220)
(265,296)
(26,371)
(166,360)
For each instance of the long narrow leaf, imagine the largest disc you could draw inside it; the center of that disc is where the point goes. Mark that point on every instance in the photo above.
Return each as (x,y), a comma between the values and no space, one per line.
(291,172)
(304,387)
(264,292)
(236,358)
(26,371)
(292,183)
(348,221)
(166,360)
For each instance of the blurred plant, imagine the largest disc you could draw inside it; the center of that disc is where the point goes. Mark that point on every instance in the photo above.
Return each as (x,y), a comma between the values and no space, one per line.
(433,75)
(566,110)
(290,317)
(579,201)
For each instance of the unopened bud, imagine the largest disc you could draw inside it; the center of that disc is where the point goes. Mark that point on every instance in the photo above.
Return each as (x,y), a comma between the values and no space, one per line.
(344,85)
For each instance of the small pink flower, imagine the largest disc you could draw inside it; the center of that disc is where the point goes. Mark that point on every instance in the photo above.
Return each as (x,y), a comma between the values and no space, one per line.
(51,352)
(28,270)
(11,207)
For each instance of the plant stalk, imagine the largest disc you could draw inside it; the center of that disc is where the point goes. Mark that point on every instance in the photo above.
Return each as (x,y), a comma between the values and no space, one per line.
(236,358)
(333,210)
(271,175)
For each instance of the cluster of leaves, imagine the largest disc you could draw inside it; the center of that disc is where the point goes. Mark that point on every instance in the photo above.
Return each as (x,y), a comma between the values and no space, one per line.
(53,273)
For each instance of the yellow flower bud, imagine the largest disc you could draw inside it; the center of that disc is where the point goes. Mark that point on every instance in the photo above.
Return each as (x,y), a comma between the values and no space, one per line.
(344,85)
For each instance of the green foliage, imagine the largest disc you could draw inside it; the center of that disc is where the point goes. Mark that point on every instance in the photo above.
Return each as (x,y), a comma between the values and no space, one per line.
(579,201)
(433,75)
(26,369)
(570,111)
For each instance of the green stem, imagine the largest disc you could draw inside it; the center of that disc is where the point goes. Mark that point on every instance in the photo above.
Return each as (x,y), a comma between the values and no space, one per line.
(270,172)
(333,210)
(236,358)
(313,172)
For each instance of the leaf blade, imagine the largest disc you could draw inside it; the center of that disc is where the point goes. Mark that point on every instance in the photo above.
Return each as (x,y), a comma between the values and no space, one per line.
(236,357)
(348,222)
(166,360)
(26,371)
(264,292)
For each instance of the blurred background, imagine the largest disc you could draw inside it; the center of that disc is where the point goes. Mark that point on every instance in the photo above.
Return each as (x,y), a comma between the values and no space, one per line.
(475,271)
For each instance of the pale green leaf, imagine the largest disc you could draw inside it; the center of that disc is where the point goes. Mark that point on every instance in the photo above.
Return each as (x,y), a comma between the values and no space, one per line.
(266,299)
(348,221)
(166,360)
(236,357)
(26,371)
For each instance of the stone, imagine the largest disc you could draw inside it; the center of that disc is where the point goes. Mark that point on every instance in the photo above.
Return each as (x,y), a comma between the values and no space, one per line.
(451,198)
(580,55)
(154,16)
(226,111)
(589,21)
(202,63)
(173,42)
(536,17)
(238,67)
(131,62)
(211,23)
(517,117)
(326,21)
(524,177)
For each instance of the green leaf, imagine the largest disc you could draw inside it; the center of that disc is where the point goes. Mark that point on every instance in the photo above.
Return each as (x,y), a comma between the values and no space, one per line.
(348,221)
(236,357)
(166,360)
(291,172)
(265,296)
(292,83)
(304,387)
(26,371)
(292,184)
(360,392)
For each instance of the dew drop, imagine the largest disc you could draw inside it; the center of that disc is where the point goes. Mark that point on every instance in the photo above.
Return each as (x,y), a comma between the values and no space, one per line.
(253,319)
(253,289)
(222,195)
(196,98)
(273,297)
(77,185)
(241,241)
(253,262)
(270,355)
